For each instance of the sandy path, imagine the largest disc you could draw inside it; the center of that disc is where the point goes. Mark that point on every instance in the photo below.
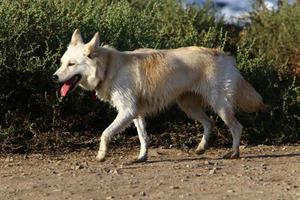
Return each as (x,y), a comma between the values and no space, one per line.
(263,172)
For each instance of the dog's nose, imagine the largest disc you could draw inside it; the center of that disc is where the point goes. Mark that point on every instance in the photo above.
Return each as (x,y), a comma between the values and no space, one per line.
(55,78)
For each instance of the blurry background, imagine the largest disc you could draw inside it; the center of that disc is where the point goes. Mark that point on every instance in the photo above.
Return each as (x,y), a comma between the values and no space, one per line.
(236,11)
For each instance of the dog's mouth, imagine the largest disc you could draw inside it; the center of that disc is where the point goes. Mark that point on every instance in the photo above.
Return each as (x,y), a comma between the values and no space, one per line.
(69,85)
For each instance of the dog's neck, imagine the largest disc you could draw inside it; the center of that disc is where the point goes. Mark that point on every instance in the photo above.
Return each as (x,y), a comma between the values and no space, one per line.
(98,87)
(100,84)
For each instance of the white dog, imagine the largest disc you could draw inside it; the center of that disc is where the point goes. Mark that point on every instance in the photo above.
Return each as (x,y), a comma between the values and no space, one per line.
(144,81)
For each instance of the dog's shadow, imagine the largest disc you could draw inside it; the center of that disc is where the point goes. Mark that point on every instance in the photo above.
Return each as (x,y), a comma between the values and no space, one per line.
(179,160)
(272,156)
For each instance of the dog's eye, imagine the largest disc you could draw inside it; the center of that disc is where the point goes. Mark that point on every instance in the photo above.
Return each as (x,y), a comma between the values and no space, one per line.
(71,64)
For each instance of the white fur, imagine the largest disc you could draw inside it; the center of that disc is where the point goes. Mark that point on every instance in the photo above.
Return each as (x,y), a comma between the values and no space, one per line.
(145,81)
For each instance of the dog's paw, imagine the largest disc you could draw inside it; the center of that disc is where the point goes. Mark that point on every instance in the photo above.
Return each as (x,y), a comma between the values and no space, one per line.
(100,158)
(141,159)
(138,160)
(200,151)
(231,155)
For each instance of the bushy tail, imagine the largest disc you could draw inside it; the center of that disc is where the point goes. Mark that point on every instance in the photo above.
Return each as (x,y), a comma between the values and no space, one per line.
(247,99)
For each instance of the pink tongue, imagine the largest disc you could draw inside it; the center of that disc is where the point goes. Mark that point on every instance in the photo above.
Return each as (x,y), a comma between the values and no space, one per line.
(65,88)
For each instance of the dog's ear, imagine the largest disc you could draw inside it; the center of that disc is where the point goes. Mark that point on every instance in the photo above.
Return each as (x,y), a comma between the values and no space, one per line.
(94,43)
(76,38)
(92,46)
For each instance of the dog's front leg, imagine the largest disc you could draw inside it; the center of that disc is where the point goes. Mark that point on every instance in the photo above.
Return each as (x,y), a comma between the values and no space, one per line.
(123,119)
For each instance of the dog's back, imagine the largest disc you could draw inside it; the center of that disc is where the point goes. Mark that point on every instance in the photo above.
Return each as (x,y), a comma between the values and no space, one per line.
(163,75)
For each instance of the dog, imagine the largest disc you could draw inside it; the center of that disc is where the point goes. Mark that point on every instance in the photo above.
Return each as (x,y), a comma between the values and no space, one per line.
(144,81)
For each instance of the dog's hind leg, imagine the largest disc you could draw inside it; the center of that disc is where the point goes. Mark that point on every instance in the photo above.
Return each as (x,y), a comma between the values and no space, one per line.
(123,119)
(192,106)
(227,115)
(140,125)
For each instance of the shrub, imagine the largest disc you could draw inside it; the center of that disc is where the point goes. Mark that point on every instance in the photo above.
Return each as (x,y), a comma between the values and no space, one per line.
(34,34)
(280,92)
(268,54)
(277,36)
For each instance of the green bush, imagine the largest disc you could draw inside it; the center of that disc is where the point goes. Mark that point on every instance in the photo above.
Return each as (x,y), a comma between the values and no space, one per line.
(280,92)
(269,57)
(34,34)
(277,36)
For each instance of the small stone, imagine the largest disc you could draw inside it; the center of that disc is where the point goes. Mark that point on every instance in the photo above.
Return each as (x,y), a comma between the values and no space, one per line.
(174,187)
(230,191)
(8,165)
(8,159)
(212,171)
(77,167)
(58,162)
(110,197)
(199,174)
(207,162)
(113,171)
(143,193)
(34,186)
(264,166)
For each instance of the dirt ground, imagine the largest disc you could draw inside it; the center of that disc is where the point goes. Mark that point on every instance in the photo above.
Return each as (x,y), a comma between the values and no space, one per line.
(263,172)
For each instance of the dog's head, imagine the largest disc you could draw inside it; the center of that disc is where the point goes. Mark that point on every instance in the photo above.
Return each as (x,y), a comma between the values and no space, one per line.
(80,65)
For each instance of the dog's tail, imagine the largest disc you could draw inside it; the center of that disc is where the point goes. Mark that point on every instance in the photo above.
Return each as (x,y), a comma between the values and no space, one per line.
(247,99)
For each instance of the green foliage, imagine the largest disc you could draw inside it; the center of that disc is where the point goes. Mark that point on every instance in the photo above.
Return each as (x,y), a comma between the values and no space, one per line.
(269,57)
(35,33)
(280,92)
(277,36)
